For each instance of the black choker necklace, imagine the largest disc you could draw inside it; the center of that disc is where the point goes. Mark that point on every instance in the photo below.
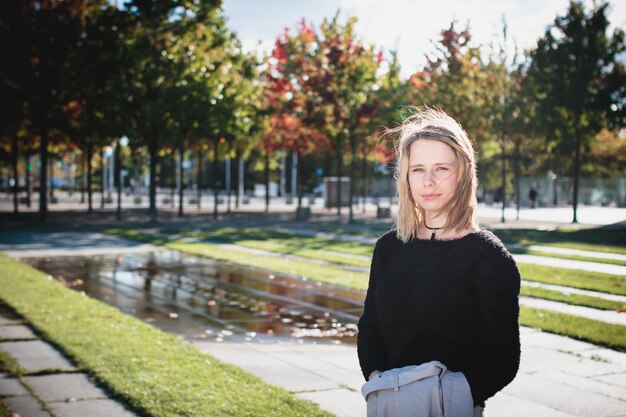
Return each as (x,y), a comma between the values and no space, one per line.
(434,229)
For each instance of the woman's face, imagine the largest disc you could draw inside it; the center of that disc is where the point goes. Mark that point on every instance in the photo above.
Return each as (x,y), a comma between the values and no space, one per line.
(433,176)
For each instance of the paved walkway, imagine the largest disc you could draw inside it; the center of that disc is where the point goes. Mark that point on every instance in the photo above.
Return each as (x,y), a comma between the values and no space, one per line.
(559,377)
(53,386)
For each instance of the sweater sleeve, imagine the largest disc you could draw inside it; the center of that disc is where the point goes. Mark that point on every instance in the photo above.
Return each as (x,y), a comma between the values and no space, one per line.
(496,352)
(370,346)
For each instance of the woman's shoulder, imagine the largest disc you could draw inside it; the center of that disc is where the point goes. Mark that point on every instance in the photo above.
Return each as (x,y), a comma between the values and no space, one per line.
(388,238)
(491,247)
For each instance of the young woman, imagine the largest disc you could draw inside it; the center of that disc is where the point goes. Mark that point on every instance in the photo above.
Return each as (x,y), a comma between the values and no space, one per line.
(440,288)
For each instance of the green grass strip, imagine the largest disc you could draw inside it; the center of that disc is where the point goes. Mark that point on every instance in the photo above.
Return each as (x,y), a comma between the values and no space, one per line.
(575,299)
(326,273)
(595,239)
(334,274)
(598,333)
(4,411)
(155,372)
(569,257)
(286,241)
(586,280)
(9,365)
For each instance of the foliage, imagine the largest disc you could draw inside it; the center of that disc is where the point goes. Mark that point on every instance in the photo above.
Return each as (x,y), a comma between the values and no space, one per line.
(578,82)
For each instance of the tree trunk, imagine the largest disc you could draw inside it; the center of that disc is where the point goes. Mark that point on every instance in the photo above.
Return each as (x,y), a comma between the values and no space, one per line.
(228,180)
(28,181)
(16,179)
(299,167)
(364,181)
(181,152)
(152,150)
(339,172)
(518,193)
(577,162)
(199,179)
(503,195)
(555,187)
(102,179)
(118,180)
(352,168)
(83,177)
(51,175)
(241,177)
(89,178)
(43,176)
(215,191)
(236,177)
(267,181)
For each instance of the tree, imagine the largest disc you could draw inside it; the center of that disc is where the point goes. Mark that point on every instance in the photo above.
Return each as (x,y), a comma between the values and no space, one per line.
(453,80)
(578,83)
(40,39)
(327,80)
(158,69)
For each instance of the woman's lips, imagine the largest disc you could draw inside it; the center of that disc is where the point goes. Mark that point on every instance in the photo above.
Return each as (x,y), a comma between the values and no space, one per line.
(430,196)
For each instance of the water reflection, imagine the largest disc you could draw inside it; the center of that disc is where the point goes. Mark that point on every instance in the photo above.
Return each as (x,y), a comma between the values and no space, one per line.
(202,298)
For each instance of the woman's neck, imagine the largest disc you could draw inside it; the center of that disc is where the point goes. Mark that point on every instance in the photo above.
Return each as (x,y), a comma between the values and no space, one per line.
(432,221)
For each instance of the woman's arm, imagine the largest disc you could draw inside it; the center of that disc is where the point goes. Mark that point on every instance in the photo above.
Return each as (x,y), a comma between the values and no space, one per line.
(496,352)
(370,346)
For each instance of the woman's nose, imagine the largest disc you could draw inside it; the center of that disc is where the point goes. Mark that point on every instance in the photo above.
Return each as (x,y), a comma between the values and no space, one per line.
(428,178)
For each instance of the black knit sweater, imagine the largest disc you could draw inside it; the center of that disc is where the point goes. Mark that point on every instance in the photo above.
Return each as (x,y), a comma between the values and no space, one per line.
(455,301)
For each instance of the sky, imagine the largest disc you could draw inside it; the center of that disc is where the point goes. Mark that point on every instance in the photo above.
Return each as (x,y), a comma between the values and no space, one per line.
(408,26)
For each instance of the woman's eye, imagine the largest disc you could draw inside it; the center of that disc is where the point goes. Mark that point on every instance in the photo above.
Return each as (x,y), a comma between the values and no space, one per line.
(442,168)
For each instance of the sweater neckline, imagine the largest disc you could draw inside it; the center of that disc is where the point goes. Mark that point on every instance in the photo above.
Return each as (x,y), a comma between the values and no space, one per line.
(456,239)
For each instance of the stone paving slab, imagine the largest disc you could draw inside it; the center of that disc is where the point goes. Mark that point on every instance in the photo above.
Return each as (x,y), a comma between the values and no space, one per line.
(341,402)
(10,386)
(26,406)
(568,399)
(90,408)
(64,387)
(544,359)
(606,316)
(35,356)
(536,338)
(588,384)
(505,405)
(16,332)
(268,367)
(4,321)
(617,378)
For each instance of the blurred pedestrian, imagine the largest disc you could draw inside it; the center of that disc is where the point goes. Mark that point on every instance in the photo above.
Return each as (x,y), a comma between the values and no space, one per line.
(532,195)
(443,294)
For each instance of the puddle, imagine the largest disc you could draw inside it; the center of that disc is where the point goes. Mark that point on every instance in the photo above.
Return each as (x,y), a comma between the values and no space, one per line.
(200,298)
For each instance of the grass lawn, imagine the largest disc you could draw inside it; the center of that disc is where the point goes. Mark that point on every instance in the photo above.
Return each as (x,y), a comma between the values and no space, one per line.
(596,239)
(571,257)
(587,280)
(157,373)
(8,365)
(605,334)
(288,241)
(576,299)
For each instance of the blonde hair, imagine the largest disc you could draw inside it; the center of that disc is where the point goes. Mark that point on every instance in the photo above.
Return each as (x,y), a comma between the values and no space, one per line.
(434,124)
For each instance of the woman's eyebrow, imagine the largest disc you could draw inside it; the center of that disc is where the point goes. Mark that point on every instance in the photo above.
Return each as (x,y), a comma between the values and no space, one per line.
(436,163)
